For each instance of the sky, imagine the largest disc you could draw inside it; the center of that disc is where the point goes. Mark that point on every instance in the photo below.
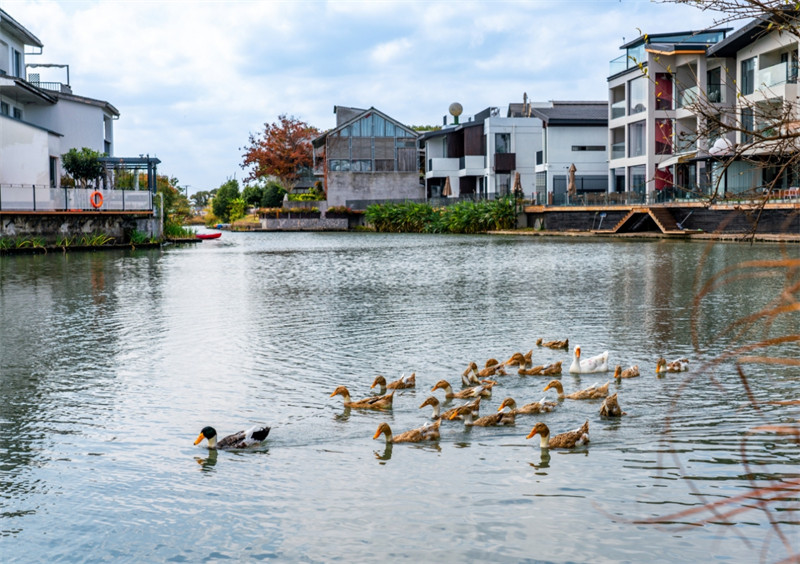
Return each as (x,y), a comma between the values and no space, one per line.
(193,80)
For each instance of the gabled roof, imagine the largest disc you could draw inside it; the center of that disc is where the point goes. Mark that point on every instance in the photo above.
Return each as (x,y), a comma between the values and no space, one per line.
(574,113)
(13,27)
(319,141)
(89,101)
(754,30)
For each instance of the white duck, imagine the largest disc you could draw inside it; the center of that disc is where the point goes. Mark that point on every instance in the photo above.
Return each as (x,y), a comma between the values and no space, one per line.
(591,365)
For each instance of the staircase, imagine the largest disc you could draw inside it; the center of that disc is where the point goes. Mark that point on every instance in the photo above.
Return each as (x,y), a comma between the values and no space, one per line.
(661,216)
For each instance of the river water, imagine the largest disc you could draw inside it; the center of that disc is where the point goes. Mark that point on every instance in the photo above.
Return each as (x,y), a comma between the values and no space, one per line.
(112,362)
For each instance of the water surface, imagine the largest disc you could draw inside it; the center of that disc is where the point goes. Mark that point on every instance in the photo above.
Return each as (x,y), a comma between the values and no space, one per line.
(111,363)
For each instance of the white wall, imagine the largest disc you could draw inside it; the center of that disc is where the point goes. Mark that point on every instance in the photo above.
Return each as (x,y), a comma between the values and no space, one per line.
(24,153)
(80,124)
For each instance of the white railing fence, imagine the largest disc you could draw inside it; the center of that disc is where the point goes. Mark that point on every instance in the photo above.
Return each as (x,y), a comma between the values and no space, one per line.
(41,198)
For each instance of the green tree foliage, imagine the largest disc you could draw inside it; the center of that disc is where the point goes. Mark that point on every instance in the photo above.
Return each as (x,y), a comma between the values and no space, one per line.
(176,204)
(463,217)
(222,203)
(83,165)
(200,199)
(273,195)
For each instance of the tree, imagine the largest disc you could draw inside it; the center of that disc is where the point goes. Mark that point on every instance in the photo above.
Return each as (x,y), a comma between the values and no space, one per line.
(200,199)
(282,150)
(223,201)
(83,165)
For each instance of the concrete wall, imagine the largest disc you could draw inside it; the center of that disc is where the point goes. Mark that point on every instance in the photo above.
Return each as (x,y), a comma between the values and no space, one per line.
(303,224)
(53,226)
(344,186)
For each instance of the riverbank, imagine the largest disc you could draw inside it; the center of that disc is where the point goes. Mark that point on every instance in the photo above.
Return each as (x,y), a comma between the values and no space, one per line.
(762,237)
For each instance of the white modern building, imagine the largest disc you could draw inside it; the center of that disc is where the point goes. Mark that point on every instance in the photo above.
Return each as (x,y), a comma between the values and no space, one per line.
(40,121)
(574,143)
(481,156)
(652,126)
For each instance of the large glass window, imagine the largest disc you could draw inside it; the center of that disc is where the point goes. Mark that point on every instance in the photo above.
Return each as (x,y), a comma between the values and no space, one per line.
(502,142)
(748,77)
(636,139)
(748,123)
(663,91)
(638,181)
(663,137)
(637,95)
(714,85)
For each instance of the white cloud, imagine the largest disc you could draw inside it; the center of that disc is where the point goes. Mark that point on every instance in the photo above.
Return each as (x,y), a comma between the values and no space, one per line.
(193,80)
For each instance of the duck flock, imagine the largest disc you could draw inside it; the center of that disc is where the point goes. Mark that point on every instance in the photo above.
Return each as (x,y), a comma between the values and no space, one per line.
(477,385)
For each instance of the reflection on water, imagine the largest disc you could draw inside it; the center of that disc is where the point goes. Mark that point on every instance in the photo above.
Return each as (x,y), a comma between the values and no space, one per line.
(110,362)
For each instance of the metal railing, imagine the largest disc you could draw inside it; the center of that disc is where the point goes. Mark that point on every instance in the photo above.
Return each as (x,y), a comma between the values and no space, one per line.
(28,197)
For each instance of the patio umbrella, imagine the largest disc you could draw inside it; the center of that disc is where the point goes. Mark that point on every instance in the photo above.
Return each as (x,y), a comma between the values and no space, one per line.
(517,185)
(447,191)
(571,188)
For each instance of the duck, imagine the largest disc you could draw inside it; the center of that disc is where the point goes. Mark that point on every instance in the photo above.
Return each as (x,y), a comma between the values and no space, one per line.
(611,408)
(428,432)
(434,402)
(492,420)
(598,363)
(243,439)
(541,370)
(631,372)
(570,439)
(680,365)
(483,390)
(592,392)
(518,359)
(470,376)
(403,383)
(540,406)
(553,344)
(375,402)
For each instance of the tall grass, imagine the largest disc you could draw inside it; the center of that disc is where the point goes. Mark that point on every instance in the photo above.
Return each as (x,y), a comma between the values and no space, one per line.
(463,217)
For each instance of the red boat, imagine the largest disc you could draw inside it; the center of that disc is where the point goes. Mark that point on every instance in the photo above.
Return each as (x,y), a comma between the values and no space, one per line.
(208,235)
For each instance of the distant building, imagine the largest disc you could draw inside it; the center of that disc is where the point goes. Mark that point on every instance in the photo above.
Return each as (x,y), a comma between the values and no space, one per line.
(368,157)
(574,134)
(481,156)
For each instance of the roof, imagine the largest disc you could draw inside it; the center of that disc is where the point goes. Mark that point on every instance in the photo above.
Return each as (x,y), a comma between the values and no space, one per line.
(89,101)
(17,29)
(676,38)
(744,36)
(319,141)
(574,113)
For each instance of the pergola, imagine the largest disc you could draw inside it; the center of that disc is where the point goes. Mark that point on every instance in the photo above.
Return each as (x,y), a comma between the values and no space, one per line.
(141,163)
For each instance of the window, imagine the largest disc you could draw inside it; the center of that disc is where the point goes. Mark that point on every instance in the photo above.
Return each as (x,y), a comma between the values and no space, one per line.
(748,124)
(18,64)
(361,165)
(663,136)
(636,139)
(714,85)
(637,95)
(53,171)
(17,113)
(502,142)
(748,77)
(586,148)
(638,182)
(663,91)
(339,165)
(4,108)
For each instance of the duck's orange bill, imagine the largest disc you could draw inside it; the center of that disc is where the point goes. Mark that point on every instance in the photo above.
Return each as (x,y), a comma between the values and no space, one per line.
(376,435)
(200,438)
(454,415)
(532,433)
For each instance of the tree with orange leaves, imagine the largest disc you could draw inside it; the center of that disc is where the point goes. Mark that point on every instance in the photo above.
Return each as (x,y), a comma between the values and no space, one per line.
(283,149)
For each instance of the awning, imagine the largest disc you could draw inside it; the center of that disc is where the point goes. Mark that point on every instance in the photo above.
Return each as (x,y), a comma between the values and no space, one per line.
(677,159)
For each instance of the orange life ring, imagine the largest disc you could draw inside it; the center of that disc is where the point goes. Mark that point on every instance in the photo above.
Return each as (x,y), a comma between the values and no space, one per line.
(96,199)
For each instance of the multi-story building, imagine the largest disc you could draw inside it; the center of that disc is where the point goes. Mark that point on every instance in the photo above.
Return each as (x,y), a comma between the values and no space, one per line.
(367,157)
(574,146)
(40,121)
(482,156)
(653,122)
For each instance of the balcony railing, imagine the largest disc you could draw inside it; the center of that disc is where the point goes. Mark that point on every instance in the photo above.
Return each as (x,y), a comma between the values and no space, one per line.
(775,75)
(618,109)
(15,197)
(688,96)
(618,65)
(618,150)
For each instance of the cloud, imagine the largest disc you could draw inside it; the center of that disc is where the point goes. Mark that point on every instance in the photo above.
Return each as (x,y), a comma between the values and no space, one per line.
(193,80)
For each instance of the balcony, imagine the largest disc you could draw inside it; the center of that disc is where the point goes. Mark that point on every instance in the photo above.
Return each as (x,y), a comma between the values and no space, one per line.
(688,96)
(775,75)
(618,109)
(472,163)
(15,197)
(505,162)
(442,165)
(618,65)
(618,150)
